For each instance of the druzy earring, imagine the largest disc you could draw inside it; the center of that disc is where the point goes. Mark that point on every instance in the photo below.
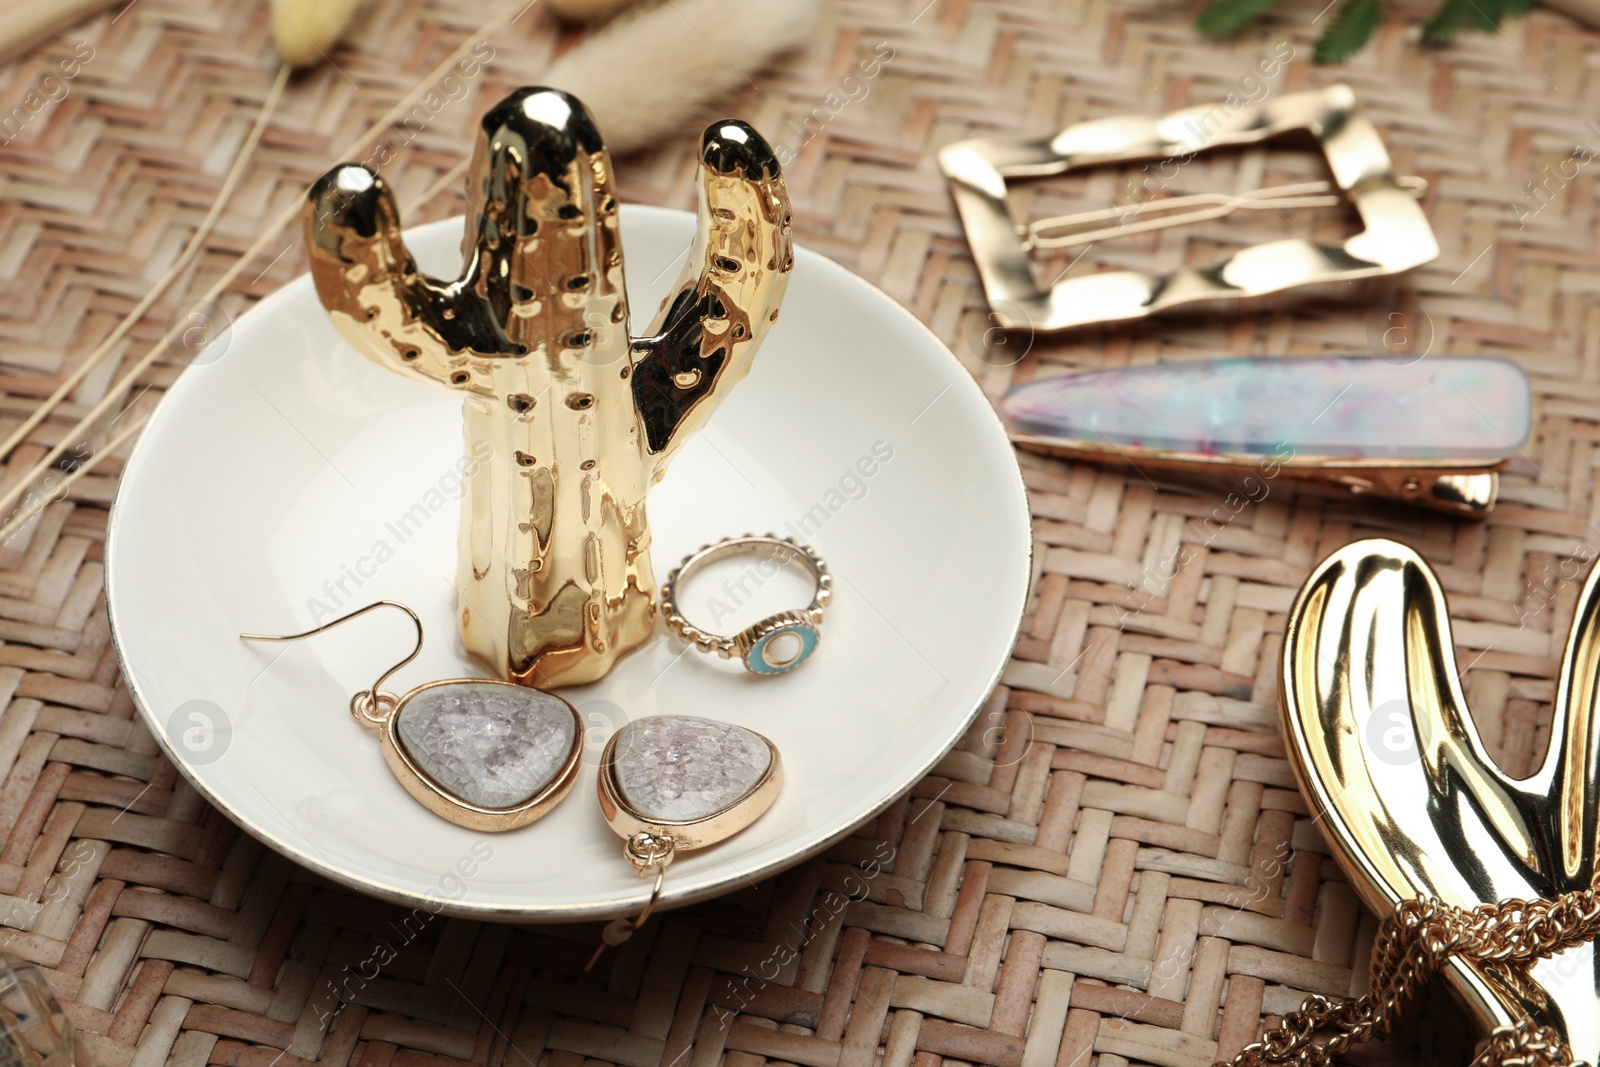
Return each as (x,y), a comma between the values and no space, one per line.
(674,783)
(482,753)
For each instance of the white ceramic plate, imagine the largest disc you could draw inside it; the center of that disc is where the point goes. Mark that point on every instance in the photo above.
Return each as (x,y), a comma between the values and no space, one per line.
(269,489)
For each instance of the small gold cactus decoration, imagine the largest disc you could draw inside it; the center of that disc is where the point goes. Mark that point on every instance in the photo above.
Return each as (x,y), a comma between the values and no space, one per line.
(580,417)
(1416,809)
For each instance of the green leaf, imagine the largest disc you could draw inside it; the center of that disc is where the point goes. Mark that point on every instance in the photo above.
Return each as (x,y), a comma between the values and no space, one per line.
(1352,25)
(1438,29)
(1486,13)
(1220,18)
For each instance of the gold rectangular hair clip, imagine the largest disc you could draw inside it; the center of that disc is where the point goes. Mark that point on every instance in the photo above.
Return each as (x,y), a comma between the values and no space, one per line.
(1395,235)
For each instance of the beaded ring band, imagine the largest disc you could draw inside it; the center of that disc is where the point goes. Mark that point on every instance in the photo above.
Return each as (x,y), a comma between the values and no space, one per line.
(775,645)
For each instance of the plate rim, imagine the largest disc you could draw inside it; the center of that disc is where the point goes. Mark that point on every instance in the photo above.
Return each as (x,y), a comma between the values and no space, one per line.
(592,909)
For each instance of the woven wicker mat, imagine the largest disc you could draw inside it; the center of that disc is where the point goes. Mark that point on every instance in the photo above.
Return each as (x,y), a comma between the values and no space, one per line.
(1115,864)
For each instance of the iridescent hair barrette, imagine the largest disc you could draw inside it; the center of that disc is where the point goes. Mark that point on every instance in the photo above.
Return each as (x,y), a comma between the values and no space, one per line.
(1432,433)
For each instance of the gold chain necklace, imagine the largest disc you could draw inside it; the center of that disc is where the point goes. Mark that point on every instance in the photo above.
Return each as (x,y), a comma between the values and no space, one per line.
(1412,946)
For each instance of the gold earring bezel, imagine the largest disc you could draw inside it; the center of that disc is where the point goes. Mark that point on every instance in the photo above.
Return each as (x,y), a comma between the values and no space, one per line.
(447,805)
(688,834)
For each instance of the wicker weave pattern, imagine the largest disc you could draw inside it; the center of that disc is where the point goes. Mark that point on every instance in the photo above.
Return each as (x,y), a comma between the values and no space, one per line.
(1115,865)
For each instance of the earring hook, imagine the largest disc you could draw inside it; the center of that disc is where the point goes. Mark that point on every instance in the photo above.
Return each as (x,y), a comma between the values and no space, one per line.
(619,930)
(367,704)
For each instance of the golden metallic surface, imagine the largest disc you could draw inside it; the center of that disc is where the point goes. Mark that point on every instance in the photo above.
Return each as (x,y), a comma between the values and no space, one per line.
(1409,800)
(666,838)
(1396,236)
(1464,487)
(579,419)
(1413,945)
(1070,231)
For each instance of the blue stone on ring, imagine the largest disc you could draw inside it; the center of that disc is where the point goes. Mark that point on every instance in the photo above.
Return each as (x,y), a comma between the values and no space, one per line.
(761,657)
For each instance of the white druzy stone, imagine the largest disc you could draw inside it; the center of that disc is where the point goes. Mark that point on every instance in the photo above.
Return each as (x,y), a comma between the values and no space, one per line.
(678,768)
(491,745)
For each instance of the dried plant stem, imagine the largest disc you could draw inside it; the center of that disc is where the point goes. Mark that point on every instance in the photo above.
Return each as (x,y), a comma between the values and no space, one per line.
(450,179)
(26,514)
(289,213)
(190,251)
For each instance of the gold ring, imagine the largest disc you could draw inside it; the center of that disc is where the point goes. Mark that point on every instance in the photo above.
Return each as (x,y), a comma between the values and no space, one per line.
(775,645)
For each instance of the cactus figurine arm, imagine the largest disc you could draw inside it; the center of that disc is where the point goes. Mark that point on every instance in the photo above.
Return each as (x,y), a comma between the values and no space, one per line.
(708,329)
(568,421)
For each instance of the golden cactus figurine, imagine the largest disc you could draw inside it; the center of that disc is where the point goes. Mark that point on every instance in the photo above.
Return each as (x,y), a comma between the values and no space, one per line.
(554,570)
(1413,806)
